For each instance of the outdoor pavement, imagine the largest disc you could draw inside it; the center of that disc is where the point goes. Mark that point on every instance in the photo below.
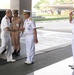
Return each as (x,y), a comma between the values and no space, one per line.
(59,25)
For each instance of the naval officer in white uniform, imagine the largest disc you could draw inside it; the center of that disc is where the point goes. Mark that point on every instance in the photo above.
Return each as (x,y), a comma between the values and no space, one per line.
(72,21)
(31,37)
(5,35)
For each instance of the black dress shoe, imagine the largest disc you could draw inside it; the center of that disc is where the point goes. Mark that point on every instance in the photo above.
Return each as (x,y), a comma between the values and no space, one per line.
(14,53)
(18,53)
(3,51)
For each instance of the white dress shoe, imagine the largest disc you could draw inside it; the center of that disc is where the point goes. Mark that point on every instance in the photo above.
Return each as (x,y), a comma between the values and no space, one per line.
(29,63)
(12,60)
(71,65)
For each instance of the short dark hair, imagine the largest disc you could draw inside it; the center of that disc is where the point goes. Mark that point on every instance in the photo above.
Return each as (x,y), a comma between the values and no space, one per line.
(29,13)
(15,11)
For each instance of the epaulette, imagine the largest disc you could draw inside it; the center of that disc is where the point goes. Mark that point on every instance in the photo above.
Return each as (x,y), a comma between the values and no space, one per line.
(31,19)
(6,17)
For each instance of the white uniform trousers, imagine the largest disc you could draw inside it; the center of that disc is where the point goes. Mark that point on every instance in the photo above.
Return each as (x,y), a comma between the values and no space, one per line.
(30,48)
(6,42)
(73,46)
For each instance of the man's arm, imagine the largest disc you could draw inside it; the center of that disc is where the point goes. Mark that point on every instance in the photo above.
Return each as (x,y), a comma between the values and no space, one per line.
(22,23)
(20,29)
(34,30)
(35,36)
(8,29)
(6,25)
(70,17)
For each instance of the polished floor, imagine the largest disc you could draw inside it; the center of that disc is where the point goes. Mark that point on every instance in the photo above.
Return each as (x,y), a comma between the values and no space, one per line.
(49,63)
(59,68)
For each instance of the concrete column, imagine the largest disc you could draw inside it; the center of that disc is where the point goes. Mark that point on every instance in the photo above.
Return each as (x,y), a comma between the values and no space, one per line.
(14,4)
(20,5)
(25,4)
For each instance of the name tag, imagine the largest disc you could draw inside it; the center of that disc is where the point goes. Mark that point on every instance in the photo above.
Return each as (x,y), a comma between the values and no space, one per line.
(17,25)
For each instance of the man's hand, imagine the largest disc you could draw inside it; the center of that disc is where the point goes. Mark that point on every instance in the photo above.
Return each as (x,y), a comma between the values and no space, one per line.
(14,30)
(36,40)
(35,36)
(71,14)
(23,29)
(20,29)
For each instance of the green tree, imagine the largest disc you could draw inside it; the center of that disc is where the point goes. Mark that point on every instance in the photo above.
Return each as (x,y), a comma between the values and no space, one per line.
(63,1)
(37,6)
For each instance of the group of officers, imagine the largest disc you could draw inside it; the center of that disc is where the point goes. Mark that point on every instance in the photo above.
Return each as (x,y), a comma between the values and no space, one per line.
(11,27)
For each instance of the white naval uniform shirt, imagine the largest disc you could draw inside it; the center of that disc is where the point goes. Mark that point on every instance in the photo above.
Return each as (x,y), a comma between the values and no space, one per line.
(5,23)
(73,26)
(29,25)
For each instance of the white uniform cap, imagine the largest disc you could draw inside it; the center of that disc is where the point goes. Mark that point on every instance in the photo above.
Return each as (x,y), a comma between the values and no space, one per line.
(26,11)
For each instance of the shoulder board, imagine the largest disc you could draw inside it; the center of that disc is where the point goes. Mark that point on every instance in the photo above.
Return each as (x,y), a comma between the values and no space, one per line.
(31,19)
(6,17)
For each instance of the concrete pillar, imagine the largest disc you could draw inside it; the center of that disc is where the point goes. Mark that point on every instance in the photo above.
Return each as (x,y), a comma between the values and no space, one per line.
(20,5)
(25,4)
(14,4)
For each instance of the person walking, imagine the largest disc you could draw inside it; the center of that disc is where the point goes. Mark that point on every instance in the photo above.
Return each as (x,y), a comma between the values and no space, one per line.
(5,36)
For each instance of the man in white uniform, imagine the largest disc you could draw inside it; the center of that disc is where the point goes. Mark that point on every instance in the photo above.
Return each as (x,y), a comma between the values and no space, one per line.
(31,37)
(72,21)
(5,36)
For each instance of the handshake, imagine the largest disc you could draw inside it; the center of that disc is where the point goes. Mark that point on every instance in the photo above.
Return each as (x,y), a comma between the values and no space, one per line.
(19,29)
(14,30)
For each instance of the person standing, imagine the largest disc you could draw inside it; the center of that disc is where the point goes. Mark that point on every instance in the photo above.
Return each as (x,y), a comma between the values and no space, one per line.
(17,22)
(5,36)
(72,21)
(31,36)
